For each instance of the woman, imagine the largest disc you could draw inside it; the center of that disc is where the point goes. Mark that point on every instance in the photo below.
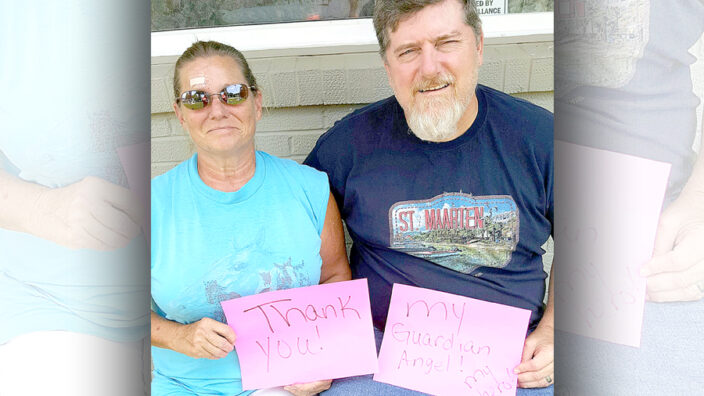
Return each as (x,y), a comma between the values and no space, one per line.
(229,222)
(73,262)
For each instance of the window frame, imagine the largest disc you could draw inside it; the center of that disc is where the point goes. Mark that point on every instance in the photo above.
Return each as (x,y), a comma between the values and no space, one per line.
(338,36)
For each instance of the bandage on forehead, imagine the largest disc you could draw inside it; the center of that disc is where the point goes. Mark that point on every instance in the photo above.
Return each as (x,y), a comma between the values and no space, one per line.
(200,80)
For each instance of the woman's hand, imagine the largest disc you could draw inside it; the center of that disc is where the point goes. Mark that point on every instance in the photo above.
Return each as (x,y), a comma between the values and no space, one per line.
(310,388)
(90,214)
(206,338)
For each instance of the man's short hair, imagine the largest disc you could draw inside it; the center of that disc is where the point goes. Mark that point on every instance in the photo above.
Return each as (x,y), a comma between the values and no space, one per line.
(388,14)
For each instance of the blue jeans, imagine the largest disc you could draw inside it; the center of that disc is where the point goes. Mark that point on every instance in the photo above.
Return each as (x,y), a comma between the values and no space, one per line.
(364,385)
(668,362)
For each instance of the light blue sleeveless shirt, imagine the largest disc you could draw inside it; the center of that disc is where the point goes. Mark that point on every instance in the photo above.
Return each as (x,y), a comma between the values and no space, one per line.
(209,246)
(68,76)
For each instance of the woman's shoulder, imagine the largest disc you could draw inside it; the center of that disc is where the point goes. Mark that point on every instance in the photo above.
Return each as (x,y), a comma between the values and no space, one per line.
(302,181)
(291,168)
(166,180)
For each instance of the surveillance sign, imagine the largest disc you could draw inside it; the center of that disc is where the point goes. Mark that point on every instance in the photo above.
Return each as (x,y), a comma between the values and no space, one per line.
(492,7)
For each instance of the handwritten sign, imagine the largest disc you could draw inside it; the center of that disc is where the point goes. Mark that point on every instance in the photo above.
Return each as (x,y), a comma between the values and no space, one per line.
(445,344)
(608,210)
(302,335)
(135,162)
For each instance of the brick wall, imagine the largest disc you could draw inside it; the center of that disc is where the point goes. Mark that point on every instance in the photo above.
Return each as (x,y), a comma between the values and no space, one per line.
(312,92)
(305,95)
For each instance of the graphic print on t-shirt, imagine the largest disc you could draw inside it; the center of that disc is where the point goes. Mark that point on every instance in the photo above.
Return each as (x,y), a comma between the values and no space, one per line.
(245,269)
(599,42)
(279,276)
(456,230)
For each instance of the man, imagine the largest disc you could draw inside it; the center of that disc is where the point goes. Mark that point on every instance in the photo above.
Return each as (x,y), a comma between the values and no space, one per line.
(634,95)
(446,185)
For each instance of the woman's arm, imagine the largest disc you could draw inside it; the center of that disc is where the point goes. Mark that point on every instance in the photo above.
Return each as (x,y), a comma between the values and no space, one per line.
(17,201)
(335,267)
(206,338)
(89,214)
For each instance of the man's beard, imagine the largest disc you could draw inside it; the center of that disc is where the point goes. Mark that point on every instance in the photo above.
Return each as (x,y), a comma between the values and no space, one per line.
(435,118)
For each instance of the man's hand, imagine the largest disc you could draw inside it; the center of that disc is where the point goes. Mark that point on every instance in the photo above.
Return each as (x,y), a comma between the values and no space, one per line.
(537,366)
(89,214)
(206,338)
(309,389)
(676,271)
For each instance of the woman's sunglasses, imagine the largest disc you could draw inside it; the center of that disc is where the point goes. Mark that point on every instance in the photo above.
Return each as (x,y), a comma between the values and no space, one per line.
(231,95)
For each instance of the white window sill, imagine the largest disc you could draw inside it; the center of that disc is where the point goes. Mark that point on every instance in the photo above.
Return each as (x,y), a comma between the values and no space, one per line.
(343,36)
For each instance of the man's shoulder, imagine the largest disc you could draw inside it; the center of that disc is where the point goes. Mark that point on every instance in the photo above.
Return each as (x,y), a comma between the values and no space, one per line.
(361,130)
(519,118)
(371,111)
(376,116)
(519,107)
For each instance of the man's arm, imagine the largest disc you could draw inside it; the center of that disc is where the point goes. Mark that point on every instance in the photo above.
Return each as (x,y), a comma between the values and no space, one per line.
(548,319)
(676,271)
(537,362)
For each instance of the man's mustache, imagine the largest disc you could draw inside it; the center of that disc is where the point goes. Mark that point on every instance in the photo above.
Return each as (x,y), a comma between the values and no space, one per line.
(435,82)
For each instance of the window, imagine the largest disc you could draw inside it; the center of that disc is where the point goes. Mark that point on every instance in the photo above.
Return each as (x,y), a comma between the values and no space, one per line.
(189,14)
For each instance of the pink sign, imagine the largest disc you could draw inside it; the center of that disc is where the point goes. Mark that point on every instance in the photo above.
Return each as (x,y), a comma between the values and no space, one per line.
(135,162)
(445,344)
(609,205)
(302,335)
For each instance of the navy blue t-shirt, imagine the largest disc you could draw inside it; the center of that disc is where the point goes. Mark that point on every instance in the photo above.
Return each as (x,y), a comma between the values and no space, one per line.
(467,216)
(640,102)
